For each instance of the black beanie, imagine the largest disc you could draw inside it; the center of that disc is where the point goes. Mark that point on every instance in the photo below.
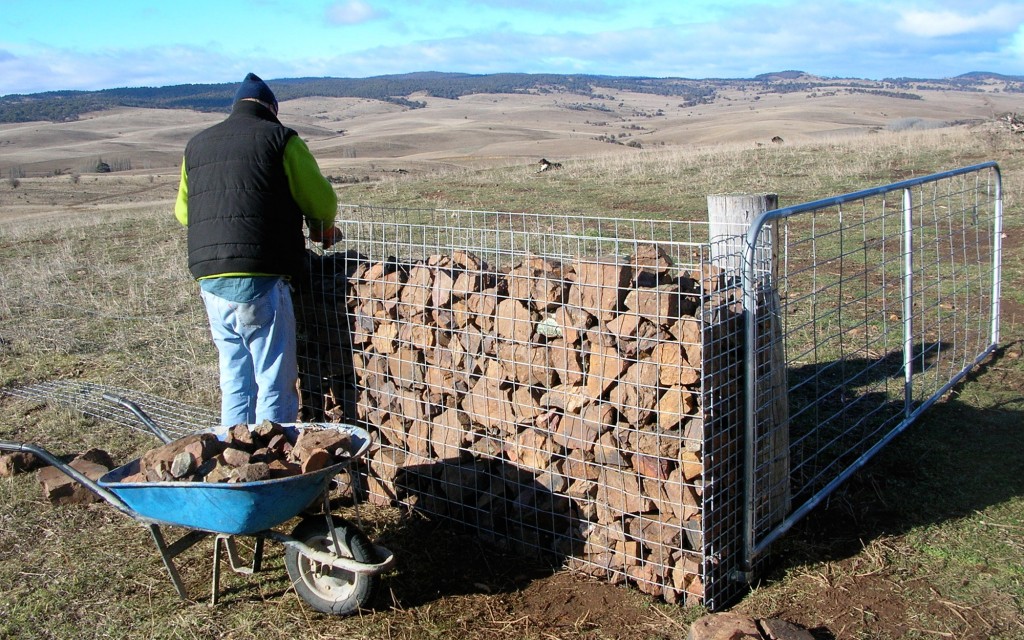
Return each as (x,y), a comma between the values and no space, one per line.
(254,87)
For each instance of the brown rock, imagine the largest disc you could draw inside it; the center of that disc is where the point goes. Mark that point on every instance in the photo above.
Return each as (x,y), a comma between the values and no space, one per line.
(236,457)
(330,440)
(603,369)
(283,469)
(607,451)
(316,460)
(581,431)
(406,366)
(651,258)
(525,405)
(530,449)
(267,431)
(263,454)
(280,445)
(415,295)
(253,472)
(17,462)
(636,392)
(619,492)
(489,405)
(449,434)
(384,338)
(661,305)
(97,456)
(673,367)
(724,626)
(240,437)
(59,488)
(600,285)
(777,629)
(513,321)
(675,405)
(156,463)
(219,471)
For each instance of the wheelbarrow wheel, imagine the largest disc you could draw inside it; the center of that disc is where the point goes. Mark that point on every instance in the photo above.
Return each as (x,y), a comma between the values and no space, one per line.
(328,589)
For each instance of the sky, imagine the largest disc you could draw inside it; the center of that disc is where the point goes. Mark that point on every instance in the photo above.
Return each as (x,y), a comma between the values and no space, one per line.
(49,45)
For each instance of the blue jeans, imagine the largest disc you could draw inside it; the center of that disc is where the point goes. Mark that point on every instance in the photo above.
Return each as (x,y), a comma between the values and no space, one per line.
(256,343)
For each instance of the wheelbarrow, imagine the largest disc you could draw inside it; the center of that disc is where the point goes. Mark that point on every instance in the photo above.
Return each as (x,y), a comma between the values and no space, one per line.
(331,563)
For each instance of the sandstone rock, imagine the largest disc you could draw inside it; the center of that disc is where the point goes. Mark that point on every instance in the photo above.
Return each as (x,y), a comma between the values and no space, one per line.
(777,629)
(724,626)
(253,472)
(183,464)
(17,462)
(316,460)
(59,488)
(331,440)
(736,626)
(235,457)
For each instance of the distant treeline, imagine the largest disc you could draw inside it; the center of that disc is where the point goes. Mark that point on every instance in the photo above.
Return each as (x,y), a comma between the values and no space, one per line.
(69,105)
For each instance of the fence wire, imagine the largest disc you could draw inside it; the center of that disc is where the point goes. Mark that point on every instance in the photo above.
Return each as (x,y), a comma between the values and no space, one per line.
(887,298)
(548,381)
(174,418)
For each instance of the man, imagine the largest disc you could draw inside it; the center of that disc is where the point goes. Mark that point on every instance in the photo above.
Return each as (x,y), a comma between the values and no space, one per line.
(247,183)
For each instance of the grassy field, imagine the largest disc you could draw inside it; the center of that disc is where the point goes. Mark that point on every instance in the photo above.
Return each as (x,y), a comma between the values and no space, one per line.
(927,542)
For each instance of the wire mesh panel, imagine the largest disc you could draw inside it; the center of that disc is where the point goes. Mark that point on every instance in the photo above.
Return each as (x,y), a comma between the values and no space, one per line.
(887,298)
(552,382)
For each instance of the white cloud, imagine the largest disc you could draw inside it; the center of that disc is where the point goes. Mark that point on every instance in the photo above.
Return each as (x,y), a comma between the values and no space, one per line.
(939,23)
(353,12)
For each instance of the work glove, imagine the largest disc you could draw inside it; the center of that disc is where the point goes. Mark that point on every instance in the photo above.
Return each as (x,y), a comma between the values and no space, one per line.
(327,237)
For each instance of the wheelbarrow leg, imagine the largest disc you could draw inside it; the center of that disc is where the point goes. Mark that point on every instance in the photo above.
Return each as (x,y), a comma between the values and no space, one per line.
(234,560)
(169,552)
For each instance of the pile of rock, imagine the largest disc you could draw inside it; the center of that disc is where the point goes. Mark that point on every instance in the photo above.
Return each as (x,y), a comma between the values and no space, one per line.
(248,453)
(560,404)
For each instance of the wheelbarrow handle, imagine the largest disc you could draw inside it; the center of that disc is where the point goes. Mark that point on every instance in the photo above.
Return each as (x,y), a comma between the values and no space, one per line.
(70,471)
(134,408)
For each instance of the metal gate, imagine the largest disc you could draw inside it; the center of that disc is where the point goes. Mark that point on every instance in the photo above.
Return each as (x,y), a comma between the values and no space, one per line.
(882,300)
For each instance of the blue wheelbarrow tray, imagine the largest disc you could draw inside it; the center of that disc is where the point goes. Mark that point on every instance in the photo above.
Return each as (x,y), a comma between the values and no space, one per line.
(241,508)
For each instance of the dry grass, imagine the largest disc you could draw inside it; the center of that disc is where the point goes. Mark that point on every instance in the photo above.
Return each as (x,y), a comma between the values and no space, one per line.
(98,291)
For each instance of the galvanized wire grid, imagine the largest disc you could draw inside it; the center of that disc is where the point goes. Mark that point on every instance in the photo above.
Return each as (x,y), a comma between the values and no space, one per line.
(174,418)
(540,379)
(858,304)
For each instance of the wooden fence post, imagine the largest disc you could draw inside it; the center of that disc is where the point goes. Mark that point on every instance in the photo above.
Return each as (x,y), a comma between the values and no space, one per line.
(729,217)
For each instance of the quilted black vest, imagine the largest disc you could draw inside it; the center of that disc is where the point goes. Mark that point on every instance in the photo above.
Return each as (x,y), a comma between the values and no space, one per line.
(241,215)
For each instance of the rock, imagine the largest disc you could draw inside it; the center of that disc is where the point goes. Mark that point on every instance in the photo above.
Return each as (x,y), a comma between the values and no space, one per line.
(735,626)
(240,437)
(253,472)
(724,626)
(782,630)
(184,464)
(220,471)
(267,430)
(330,440)
(235,457)
(201,446)
(98,456)
(60,488)
(316,460)
(12,464)
(246,455)
(283,469)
